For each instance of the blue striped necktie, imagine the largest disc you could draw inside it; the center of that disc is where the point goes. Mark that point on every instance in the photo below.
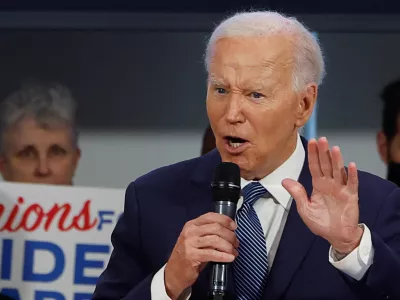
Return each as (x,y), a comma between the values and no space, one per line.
(251,266)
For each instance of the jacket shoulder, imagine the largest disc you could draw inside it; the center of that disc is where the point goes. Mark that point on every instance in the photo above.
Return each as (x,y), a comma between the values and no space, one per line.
(374,184)
(166,175)
(180,173)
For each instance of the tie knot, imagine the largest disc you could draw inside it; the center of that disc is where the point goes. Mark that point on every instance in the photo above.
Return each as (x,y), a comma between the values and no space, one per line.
(252,192)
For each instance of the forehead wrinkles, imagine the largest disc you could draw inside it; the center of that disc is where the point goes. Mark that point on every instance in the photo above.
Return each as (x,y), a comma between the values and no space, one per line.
(267,57)
(266,74)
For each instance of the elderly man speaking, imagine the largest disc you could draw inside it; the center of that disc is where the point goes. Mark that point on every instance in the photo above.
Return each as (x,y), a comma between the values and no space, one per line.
(339,238)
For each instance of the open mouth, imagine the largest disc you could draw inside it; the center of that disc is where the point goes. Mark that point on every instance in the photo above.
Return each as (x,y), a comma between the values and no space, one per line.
(235,142)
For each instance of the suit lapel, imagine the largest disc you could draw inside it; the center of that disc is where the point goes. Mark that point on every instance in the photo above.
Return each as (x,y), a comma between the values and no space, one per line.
(294,245)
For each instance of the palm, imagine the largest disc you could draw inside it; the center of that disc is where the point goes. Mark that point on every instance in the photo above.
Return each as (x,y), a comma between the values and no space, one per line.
(330,205)
(332,210)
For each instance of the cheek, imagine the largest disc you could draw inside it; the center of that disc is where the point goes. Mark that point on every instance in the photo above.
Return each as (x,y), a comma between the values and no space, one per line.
(270,132)
(64,165)
(215,106)
(211,111)
(268,126)
(21,171)
(22,167)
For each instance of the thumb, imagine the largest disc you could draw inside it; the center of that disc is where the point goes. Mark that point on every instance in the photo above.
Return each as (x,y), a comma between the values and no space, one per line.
(297,191)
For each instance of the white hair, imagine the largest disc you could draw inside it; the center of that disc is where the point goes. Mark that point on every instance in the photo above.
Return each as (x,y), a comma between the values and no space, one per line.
(309,64)
(49,104)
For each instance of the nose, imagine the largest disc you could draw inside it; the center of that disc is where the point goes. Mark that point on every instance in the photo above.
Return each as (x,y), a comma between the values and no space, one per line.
(43,168)
(234,113)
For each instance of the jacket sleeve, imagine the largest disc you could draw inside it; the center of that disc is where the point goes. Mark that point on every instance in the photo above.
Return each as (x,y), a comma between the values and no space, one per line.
(384,273)
(126,276)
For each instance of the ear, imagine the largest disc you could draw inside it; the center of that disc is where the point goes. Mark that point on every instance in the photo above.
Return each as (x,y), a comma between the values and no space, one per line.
(306,104)
(77,158)
(78,155)
(382,146)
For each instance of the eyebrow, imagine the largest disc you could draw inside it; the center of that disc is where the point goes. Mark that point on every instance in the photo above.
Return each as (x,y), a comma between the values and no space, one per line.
(212,79)
(26,147)
(255,86)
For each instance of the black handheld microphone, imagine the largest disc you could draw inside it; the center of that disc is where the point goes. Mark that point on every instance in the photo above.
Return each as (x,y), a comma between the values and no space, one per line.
(226,194)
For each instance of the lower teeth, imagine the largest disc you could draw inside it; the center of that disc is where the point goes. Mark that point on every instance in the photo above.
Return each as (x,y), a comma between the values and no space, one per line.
(235,145)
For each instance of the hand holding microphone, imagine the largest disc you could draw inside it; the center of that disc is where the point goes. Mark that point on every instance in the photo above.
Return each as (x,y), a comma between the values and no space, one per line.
(209,238)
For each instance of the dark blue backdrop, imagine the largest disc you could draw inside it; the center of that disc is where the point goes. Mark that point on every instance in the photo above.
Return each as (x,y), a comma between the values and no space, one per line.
(211,6)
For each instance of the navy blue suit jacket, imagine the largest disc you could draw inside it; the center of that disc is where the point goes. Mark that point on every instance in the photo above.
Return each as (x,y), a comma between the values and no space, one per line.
(158,205)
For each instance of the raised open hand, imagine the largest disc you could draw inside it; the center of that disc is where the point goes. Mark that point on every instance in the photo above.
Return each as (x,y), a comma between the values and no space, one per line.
(332,212)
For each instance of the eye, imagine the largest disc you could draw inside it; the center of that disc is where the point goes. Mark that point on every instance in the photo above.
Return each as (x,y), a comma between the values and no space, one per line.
(57,150)
(27,152)
(256,95)
(221,90)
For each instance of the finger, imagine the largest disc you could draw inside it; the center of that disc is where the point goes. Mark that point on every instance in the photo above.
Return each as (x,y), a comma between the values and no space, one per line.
(325,157)
(218,230)
(212,217)
(214,242)
(313,159)
(339,172)
(298,193)
(212,255)
(352,183)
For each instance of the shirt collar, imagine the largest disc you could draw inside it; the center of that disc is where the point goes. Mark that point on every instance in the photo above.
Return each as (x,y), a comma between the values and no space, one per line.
(291,168)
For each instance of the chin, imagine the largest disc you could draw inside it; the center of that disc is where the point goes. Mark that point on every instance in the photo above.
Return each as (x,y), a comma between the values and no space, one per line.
(243,163)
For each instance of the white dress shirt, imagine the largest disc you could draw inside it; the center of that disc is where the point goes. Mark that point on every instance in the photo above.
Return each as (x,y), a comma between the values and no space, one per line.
(273,213)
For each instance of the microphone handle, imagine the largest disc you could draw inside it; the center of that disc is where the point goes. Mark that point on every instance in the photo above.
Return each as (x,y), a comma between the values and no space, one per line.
(220,271)
(227,208)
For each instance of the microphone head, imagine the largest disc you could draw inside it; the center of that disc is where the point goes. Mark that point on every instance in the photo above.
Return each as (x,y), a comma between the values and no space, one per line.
(226,184)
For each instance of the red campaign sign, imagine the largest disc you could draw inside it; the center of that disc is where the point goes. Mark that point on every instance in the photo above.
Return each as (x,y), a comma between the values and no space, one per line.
(82,221)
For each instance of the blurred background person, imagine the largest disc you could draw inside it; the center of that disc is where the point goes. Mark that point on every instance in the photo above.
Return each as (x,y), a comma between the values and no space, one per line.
(388,138)
(208,141)
(38,142)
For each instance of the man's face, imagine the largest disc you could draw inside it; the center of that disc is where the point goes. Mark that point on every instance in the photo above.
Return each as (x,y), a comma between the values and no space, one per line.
(389,149)
(33,154)
(253,110)
(394,148)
